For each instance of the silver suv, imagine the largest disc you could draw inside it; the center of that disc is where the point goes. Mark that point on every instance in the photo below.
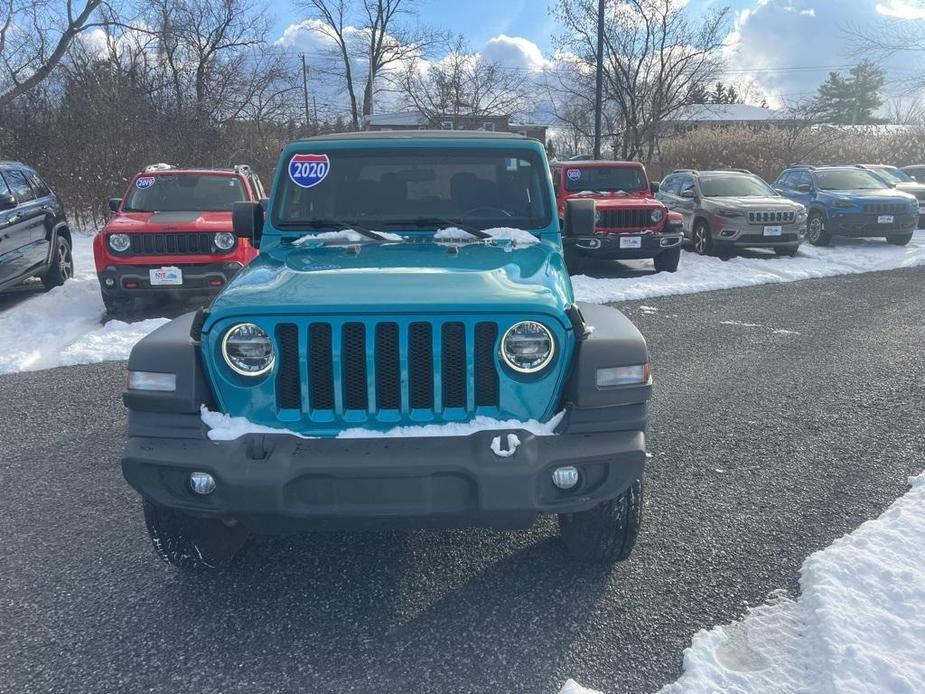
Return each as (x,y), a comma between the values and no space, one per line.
(726,210)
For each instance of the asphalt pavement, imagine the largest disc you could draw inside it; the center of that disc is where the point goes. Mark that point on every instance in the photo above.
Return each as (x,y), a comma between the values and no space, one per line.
(784,416)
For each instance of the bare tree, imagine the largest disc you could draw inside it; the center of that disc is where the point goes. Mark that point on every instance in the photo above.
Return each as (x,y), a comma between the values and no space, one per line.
(463,83)
(34,37)
(654,52)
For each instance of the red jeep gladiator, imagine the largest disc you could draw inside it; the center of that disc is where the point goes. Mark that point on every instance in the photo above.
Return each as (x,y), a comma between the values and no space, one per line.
(170,235)
(629,222)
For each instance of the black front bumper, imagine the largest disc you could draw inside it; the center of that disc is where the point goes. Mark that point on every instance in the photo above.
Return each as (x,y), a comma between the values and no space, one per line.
(278,482)
(134,280)
(860,225)
(622,246)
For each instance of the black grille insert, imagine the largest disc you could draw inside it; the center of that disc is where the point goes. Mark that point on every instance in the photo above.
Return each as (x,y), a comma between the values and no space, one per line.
(388,367)
(453,367)
(288,386)
(353,352)
(486,371)
(883,208)
(195,243)
(625,219)
(320,367)
(420,366)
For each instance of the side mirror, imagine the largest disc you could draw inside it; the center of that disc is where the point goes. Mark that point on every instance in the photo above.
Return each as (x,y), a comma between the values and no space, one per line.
(114,204)
(805,188)
(579,218)
(247,221)
(654,186)
(7,201)
(689,193)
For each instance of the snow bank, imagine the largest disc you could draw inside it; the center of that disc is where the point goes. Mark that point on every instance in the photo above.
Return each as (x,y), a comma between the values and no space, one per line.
(858,625)
(63,326)
(223,427)
(703,273)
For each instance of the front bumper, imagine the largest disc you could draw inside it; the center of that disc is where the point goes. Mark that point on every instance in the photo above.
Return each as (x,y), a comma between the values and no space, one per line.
(629,246)
(739,234)
(135,280)
(859,225)
(278,482)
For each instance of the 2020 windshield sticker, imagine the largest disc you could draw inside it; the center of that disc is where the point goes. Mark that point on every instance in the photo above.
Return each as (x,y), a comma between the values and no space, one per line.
(144,182)
(308,170)
(573,174)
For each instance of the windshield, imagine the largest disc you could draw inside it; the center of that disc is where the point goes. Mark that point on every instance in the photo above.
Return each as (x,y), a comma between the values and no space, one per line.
(892,174)
(605,179)
(848,179)
(184,193)
(733,186)
(425,188)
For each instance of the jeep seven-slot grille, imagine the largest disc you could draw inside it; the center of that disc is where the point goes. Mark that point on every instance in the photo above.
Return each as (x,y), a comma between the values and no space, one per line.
(883,208)
(197,243)
(367,373)
(624,219)
(779,216)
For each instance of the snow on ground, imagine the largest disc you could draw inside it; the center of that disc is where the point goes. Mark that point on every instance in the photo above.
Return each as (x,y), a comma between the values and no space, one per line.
(857,626)
(703,273)
(63,326)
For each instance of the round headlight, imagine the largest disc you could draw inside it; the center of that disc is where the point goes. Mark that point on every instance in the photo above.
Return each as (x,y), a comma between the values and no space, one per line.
(248,350)
(657,215)
(527,347)
(119,242)
(224,241)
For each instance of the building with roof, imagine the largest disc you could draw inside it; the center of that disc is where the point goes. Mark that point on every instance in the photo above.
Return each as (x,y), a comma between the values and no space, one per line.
(721,116)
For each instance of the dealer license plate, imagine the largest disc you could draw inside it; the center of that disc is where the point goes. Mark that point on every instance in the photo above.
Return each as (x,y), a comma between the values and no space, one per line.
(631,242)
(772,231)
(165,276)
(885,219)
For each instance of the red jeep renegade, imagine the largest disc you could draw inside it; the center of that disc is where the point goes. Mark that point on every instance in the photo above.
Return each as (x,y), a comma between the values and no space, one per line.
(629,221)
(170,235)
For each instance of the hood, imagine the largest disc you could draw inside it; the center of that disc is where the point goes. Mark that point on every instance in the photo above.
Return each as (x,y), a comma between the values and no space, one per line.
(916,189)
(750,202)
(862,196)
(400,278)
(128,222)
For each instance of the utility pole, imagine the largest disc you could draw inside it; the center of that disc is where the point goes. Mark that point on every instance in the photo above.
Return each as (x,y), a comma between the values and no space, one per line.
(305,90)
(598,80)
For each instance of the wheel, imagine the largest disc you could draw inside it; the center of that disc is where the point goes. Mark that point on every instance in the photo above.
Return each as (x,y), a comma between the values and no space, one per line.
(789,251)
(607,532)
(192,543)
(899,239)
(667,261)
(815,230)
(62,265)
(702,239)
(118,305)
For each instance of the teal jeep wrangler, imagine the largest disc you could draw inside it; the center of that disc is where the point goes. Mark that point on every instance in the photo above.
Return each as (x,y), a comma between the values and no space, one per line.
(404,351)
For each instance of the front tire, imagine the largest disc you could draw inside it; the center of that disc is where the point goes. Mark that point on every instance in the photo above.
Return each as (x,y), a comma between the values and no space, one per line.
(702,238)
(192,543)
(899,239)
(815,230)
(667,261)
(786,251)
(606,533)
(118,305)
(62,265)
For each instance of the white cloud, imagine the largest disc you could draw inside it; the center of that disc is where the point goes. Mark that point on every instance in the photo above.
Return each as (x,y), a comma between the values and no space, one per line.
(515,52)
(902,9)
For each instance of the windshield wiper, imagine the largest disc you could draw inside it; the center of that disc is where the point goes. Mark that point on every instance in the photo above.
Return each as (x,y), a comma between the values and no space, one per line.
(444,222)
(342,225)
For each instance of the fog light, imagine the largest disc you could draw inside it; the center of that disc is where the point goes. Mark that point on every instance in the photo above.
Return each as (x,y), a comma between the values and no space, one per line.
(565,477)
(110,282)
(150,380)
(201,483)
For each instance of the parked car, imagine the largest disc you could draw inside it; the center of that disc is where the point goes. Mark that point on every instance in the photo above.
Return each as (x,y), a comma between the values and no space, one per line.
(727,210)
(630,222)
(458,315)
(35,240)
(849,201)
(899,179)
(170,235)
(915,171)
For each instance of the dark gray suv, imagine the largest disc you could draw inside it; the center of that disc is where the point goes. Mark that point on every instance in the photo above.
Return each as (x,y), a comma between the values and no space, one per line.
(726,210)
(34,237)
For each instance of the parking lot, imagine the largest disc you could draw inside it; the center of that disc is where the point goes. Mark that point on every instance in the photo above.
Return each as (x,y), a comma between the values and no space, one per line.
(784,416)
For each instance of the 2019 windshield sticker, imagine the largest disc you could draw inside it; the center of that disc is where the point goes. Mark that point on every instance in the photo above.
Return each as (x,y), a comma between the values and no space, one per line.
(308,170)
(144,182)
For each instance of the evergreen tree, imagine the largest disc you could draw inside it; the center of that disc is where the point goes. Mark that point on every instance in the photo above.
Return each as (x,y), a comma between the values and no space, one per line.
(851,100)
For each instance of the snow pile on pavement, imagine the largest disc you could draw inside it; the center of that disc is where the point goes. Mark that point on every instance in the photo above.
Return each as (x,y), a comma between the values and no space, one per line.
(858,625)
(63,326)
(223,427)
(704,273)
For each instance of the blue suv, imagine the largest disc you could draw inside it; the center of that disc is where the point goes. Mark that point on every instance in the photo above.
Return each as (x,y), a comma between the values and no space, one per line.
(849,201)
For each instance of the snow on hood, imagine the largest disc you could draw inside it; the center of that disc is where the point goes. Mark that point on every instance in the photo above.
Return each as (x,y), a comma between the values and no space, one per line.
(517,236)
(343,236)
(223,427)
